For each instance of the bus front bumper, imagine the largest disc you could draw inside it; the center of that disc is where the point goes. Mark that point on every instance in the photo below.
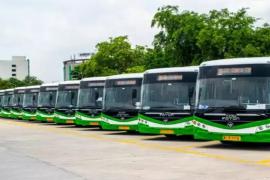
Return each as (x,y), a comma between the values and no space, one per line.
(262,137)
(63,119)
(152,126)
(15,115)
(251,132)
(44,117)
(111,123)
(29,116)
(86,120)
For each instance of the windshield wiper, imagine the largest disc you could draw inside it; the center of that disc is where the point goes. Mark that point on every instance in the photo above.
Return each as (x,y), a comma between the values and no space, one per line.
(234,108)
(168,107)
(120,108)
(224,109)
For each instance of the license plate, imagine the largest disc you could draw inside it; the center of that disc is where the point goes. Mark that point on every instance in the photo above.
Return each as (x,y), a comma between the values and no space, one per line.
(232,138)
(33,118)
(50,119)
(123,128)
(94,123)
(69,121)
(166,131)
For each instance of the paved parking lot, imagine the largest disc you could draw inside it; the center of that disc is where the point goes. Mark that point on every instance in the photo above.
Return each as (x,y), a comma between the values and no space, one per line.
(32,150)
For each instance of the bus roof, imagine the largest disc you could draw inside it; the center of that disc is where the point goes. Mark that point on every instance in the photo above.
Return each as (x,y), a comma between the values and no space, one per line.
(126,76)
(237,61)
(6,90)
(49,84)
(103,78)
(69,82)
(173,69)
(20,88)
(32,87)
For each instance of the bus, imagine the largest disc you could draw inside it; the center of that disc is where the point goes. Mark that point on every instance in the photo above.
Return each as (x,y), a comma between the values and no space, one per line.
(7,103)
(30,103)
(168,96)
(233,100)
(2,93)
(90,101)
(46,102)
(121,102)
(16,110)
(66,102)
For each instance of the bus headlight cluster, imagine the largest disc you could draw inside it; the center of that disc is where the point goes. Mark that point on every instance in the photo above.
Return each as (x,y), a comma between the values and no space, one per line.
(263,128)
(142,121)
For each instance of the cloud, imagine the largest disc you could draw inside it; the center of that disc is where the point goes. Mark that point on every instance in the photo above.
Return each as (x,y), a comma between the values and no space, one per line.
(50,31)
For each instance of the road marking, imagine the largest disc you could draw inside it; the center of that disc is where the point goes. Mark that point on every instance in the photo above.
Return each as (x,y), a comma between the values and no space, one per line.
(265,162)
(137,142)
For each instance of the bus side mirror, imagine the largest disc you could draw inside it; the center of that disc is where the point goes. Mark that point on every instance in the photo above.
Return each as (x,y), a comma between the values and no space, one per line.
(191,95)
(51,97)
(96,95)
(72,95)
(134,93)
(34,98)
(19,100)
(190,92)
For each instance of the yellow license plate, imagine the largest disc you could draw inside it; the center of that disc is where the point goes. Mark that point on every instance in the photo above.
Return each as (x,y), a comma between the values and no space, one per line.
(232,138)
(50,119)
(123,128)
(94,123)
(166,131)
(33,118)
(69,121)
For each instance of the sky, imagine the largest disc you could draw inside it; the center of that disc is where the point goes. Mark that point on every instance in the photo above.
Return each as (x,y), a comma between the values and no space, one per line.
(51,31)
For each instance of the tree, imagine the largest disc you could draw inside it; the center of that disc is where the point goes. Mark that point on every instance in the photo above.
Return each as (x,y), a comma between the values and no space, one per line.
(76,73)
(177,39)
(114,56)
(188,38)
(185,38)
(31,81)
(13,82)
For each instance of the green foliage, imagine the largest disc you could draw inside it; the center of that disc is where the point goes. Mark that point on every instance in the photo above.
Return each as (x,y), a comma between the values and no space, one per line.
(188,38)
(185,38)
(115,56)
(76,73)
(13,82)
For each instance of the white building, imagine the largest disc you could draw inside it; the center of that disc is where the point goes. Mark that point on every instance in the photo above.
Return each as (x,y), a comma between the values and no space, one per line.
(17,67)
(70,64)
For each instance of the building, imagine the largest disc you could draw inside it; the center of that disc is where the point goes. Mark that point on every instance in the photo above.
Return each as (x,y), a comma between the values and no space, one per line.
(17,67)
(70,64)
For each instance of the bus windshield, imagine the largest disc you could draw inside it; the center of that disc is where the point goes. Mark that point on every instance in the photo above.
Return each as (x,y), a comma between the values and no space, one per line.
(47,99)
(244,92)
(18,100)
(122,97)
(167,95)
(91,97)
(30,99)
(7,100)
(67,99)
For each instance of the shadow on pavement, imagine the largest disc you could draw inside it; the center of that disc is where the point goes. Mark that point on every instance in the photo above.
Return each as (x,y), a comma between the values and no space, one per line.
(239,146)
(129,133)
(185,138)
